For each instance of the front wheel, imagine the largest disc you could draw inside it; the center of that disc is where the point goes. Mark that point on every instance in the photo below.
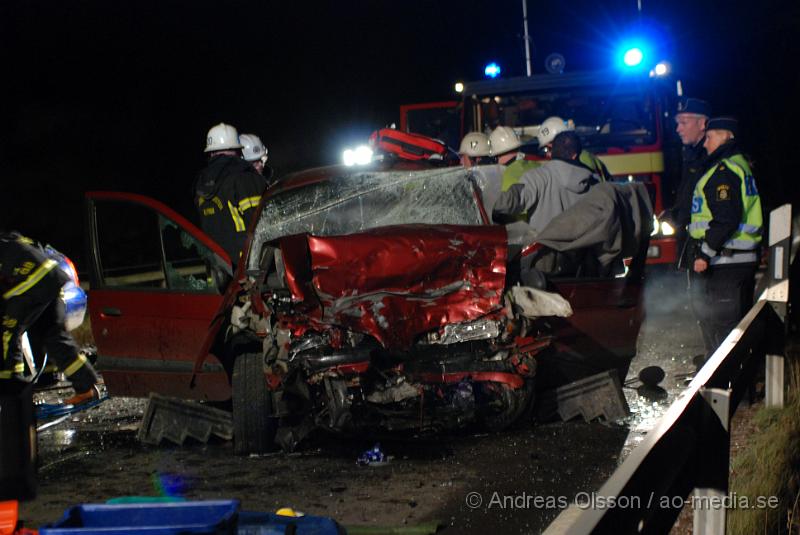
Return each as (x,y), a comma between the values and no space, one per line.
(500,406)
(253,424)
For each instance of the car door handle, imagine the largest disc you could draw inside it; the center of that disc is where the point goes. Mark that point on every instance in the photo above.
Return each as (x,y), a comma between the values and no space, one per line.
(111,311)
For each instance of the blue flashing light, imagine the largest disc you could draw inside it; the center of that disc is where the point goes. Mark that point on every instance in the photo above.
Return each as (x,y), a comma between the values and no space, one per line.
(492,70)
(633,57)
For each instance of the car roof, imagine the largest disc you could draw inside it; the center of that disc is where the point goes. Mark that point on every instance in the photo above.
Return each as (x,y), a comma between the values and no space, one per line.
(315,175)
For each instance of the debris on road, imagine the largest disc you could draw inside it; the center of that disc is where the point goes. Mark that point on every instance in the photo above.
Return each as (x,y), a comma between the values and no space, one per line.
(592,397)
(373,456)
(176,420)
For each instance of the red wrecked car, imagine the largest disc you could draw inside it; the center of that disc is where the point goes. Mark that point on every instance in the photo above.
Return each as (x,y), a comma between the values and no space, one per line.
(366,298)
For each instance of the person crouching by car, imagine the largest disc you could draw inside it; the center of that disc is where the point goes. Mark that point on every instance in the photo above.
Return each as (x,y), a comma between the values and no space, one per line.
(227,191)
(547,190)
(31,286)
(725,227)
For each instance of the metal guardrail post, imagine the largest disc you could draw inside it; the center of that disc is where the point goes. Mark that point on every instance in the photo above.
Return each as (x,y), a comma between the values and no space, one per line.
(780,242)
(689,447)
(713,463)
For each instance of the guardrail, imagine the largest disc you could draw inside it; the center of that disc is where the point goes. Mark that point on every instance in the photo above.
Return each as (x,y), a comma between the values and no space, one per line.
(689,448)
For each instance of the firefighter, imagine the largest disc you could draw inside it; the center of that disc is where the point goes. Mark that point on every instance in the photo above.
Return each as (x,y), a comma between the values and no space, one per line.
(725,227)
(31,285)
(474,149)
(551,127)
(504,144)
(254,151)
(548,190)
(691,119)
(227,191)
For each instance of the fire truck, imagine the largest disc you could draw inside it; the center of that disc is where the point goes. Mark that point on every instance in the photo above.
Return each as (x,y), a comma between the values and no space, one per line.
(623,118)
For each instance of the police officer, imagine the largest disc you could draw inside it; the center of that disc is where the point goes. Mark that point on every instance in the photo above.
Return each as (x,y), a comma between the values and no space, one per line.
(32,301)
(691,120)
(474,149)
(726,227)
(227,191)
(553,126)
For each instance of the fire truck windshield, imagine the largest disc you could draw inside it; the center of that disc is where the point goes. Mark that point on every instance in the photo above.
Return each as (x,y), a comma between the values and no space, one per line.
(604,117)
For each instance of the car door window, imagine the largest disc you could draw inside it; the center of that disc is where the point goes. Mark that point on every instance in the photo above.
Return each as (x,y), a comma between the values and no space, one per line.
(128,246)
(187,260)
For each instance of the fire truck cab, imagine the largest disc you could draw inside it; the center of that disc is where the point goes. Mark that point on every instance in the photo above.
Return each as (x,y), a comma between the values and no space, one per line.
(624,119)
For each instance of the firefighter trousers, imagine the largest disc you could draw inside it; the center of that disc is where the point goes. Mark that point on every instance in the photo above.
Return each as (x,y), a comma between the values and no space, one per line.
(40,311)
(720,297)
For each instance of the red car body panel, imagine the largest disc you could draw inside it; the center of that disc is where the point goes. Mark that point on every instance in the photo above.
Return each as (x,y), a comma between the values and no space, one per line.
(148,338)
(396,283)
(393,283)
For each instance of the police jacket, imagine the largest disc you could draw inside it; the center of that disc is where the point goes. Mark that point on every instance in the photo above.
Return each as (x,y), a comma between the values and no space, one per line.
(23,264)
(225,193)
(694,165)
(726,208)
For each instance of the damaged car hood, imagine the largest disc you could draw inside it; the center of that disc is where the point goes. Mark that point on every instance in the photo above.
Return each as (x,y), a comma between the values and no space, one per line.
(395,283)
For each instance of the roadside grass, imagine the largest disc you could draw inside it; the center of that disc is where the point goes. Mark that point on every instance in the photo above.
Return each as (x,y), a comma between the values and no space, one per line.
(770,466)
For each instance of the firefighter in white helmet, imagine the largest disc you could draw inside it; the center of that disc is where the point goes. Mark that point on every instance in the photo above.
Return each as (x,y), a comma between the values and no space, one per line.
(254,151)
(227,191)
(474,149)
(505,144)
(551,127)
(548,190)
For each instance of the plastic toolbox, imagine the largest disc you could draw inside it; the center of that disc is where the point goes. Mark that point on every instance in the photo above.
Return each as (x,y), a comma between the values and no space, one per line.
(197,517)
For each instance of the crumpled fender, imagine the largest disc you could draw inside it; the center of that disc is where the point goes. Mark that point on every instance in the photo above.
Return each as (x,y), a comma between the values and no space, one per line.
(397,282)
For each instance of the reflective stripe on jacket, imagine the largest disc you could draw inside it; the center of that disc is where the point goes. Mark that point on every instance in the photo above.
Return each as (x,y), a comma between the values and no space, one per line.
(748,234)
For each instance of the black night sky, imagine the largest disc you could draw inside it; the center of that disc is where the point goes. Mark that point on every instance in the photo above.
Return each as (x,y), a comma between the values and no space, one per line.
(120,95)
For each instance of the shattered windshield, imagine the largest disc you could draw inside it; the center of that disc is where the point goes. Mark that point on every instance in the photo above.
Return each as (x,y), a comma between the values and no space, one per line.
(355,202)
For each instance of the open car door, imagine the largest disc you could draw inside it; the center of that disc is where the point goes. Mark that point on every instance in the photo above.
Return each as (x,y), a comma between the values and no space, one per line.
(156,283)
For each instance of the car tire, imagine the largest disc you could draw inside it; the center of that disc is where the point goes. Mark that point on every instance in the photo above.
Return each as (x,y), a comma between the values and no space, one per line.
(253,426)
(514,403)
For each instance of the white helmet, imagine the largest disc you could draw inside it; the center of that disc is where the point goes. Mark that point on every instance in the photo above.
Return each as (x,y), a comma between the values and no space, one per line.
(503,139)
(475,144)
(550,128)
(222,137)
(252,148)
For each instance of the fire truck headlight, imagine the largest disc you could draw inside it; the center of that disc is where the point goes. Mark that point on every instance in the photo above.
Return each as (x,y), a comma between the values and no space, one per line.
(661,69)
(361,155)
(667,229)
(656,226)
(459,87)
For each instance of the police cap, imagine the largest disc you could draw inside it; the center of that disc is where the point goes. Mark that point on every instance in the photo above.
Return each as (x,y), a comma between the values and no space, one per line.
(694,106)
(724,123)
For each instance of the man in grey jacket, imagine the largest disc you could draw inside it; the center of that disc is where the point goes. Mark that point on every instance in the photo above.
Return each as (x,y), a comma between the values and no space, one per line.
(548,190)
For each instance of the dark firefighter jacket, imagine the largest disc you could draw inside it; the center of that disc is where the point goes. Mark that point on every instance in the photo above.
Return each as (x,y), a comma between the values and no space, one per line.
(225,194)
(23,264)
